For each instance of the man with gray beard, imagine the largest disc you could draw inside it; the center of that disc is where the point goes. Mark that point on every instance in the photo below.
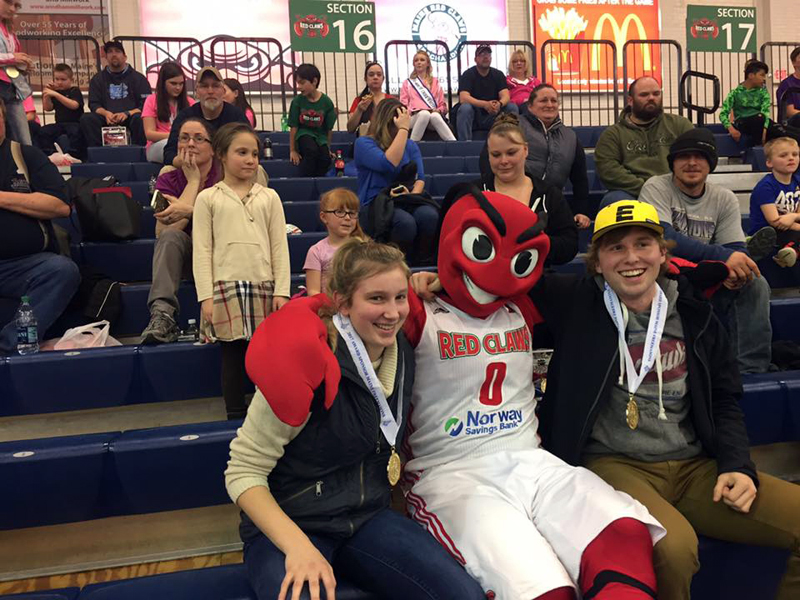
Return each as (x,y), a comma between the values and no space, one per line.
(210,106)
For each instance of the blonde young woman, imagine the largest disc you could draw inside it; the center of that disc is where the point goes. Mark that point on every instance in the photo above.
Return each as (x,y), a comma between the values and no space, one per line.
(14,86)
(519,79)
(424,99)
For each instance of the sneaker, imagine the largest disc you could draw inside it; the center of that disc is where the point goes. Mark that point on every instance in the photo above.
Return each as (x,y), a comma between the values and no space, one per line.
(761,243)
(162,329)
(786,257)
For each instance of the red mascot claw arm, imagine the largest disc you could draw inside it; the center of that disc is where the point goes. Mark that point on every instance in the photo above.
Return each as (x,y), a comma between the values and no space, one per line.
(287,369)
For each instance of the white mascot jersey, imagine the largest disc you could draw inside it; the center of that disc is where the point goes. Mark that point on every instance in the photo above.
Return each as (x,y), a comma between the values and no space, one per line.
(473,390)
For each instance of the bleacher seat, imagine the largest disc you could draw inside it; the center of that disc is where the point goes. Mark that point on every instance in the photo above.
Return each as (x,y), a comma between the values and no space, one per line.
(135,315)
(765,404)
(53,480)
(726,146)
(325,184)
(304,215)
(444,165)
(180,371)
(70,593)
(143,171)
(757,158)
(116,154)
(295,190)
(459,148)
(121,171)
(432,148)
(298,248)
(140,191)
(280,168)
(442,183)
(784,314)
(121,261)
(171,468)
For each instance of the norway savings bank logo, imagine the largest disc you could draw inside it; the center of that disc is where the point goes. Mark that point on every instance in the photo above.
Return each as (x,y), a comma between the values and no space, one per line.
(453,426)
(443,23)
(483,423)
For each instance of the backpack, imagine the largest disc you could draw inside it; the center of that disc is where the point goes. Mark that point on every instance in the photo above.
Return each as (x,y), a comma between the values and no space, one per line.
(98,298)
(106,212)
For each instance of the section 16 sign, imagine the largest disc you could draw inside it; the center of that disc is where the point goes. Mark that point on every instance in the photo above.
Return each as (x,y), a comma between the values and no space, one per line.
(319,26)
(720,28)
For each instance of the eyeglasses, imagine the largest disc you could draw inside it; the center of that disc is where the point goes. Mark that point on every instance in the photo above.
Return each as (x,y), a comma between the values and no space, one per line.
(198,139)
(342,213)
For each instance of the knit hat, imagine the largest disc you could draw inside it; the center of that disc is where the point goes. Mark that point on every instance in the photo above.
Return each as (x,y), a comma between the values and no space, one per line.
(699,140)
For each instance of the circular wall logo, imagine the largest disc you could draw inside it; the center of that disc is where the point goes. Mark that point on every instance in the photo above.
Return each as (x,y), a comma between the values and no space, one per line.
(453,426)
(439,22)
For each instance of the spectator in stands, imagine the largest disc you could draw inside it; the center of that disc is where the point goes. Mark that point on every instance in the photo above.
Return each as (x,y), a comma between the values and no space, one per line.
(116,97)
(339,522)
(482,95)
(747,107)
(172,258)
(311,119)
(519,80)
(65,98)
(367,101)
(234,94)
(704,221)
(674,438)
(32,193)
(241,256)
(161,108)
(424,99)
(554,152)
(507,152)
(338,211)
(775,201)
(14,86)
(390,164)
(210,106)
(635,148)
(788,94)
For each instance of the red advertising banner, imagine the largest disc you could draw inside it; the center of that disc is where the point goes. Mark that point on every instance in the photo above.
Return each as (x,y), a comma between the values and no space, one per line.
(583,67)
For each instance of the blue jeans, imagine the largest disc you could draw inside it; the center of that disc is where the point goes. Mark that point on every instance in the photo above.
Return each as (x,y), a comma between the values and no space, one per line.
(615,196)
(18,129)
(414,230)
(470,117)
(745,314)
(50,280)
(390,556)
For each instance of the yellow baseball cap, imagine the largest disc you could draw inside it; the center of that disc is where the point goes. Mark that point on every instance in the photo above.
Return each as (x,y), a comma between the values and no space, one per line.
(626,213)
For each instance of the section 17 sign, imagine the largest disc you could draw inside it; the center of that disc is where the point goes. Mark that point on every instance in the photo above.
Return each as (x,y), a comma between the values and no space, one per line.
(319,26)
(720,28)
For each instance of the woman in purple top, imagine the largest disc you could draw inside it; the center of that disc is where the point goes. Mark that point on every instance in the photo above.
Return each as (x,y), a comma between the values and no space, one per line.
(172,258)
(788,94)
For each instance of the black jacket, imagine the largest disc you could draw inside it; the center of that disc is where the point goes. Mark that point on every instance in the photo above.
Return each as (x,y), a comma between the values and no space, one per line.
(585,365)
(561,226)
(332,477)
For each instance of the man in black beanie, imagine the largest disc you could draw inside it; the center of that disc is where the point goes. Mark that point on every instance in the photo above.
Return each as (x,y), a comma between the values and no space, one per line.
(705,222)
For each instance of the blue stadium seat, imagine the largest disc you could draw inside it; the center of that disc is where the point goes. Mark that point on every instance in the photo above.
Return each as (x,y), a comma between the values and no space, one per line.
(444,165)
(778,277)
(325,184)
(343,137)
(716,128)
(116,154)
(143,171)
(442,183)
(765,404)
(122,171)
(180,371)
(590,162)
(53,480)
(135,314)
(280,168)
(72,226)
(465,148)
(737,571)
(431,148)
(784,313)
(298,248)
(757,158)
(793,393)
(70,380)
(140,191)
(148,222)
(304,215)
(276,137)
(121,261)
(70,593)
(472,164)
(727,147)
(297,189)
(171,468)
(585,135)
(280,151)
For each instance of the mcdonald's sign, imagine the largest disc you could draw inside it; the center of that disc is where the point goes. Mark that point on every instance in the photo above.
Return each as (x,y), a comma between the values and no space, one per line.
(580,67)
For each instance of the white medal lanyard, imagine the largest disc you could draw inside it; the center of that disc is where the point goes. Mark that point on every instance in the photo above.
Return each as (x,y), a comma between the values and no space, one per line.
(652,346)
(389,425)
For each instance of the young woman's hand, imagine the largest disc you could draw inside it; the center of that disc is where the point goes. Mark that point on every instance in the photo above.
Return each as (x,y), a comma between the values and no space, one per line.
(303,565)
(207,310)
(364,103)
(189,166)
(425,284)
(402,119)
(176,211)
(294,156)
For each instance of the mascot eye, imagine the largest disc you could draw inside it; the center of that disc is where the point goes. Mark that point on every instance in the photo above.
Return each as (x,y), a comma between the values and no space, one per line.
(476,245)
(524,263)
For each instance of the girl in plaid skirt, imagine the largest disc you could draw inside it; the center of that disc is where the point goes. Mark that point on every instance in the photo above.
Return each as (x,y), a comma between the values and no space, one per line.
(241,257)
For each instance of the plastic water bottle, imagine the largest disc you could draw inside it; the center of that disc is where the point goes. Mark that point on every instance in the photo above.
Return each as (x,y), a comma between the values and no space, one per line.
(27,328)
(267,148)
(192,331)
(285,123)
(339,164)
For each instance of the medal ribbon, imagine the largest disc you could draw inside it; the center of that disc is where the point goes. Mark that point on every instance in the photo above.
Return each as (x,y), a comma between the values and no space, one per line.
(389,425)
(655,329)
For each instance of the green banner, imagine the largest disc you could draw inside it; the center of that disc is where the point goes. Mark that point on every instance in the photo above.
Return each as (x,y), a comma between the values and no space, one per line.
(320,26)
(720,28)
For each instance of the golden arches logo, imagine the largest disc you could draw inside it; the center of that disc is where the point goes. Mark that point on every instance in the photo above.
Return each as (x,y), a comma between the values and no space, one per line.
(620,37)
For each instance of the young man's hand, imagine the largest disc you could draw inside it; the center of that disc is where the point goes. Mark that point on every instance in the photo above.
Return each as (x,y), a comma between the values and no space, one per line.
(736,490)
(735,133)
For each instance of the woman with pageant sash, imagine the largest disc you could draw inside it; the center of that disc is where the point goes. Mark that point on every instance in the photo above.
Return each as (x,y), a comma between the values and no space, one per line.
(314,463)
(424,100)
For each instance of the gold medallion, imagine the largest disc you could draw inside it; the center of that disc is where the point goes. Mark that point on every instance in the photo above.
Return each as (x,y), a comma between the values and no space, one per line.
(12,72)
(543,384)
(393,468)
(632,413)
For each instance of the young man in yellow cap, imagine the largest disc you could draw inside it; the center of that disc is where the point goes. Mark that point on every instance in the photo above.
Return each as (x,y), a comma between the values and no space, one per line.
(643,389)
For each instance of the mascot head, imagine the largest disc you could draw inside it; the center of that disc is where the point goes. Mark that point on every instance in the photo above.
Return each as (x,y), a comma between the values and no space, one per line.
(491,248)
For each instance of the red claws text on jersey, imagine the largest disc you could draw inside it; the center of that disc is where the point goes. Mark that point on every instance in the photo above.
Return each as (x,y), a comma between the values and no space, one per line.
(456,345)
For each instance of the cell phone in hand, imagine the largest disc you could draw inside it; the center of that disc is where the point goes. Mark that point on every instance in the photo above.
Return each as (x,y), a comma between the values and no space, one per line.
(159,202)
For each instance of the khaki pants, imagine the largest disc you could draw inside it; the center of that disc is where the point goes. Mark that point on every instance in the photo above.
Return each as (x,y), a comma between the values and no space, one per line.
(679,494)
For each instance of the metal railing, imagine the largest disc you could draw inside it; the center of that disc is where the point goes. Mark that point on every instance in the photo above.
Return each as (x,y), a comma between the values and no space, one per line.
(80,52)
(258,64)
(660,59)
(728,67)
(399,65)
(501,51)
(585,101)
(701,109)
(147,54)
(776,55)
